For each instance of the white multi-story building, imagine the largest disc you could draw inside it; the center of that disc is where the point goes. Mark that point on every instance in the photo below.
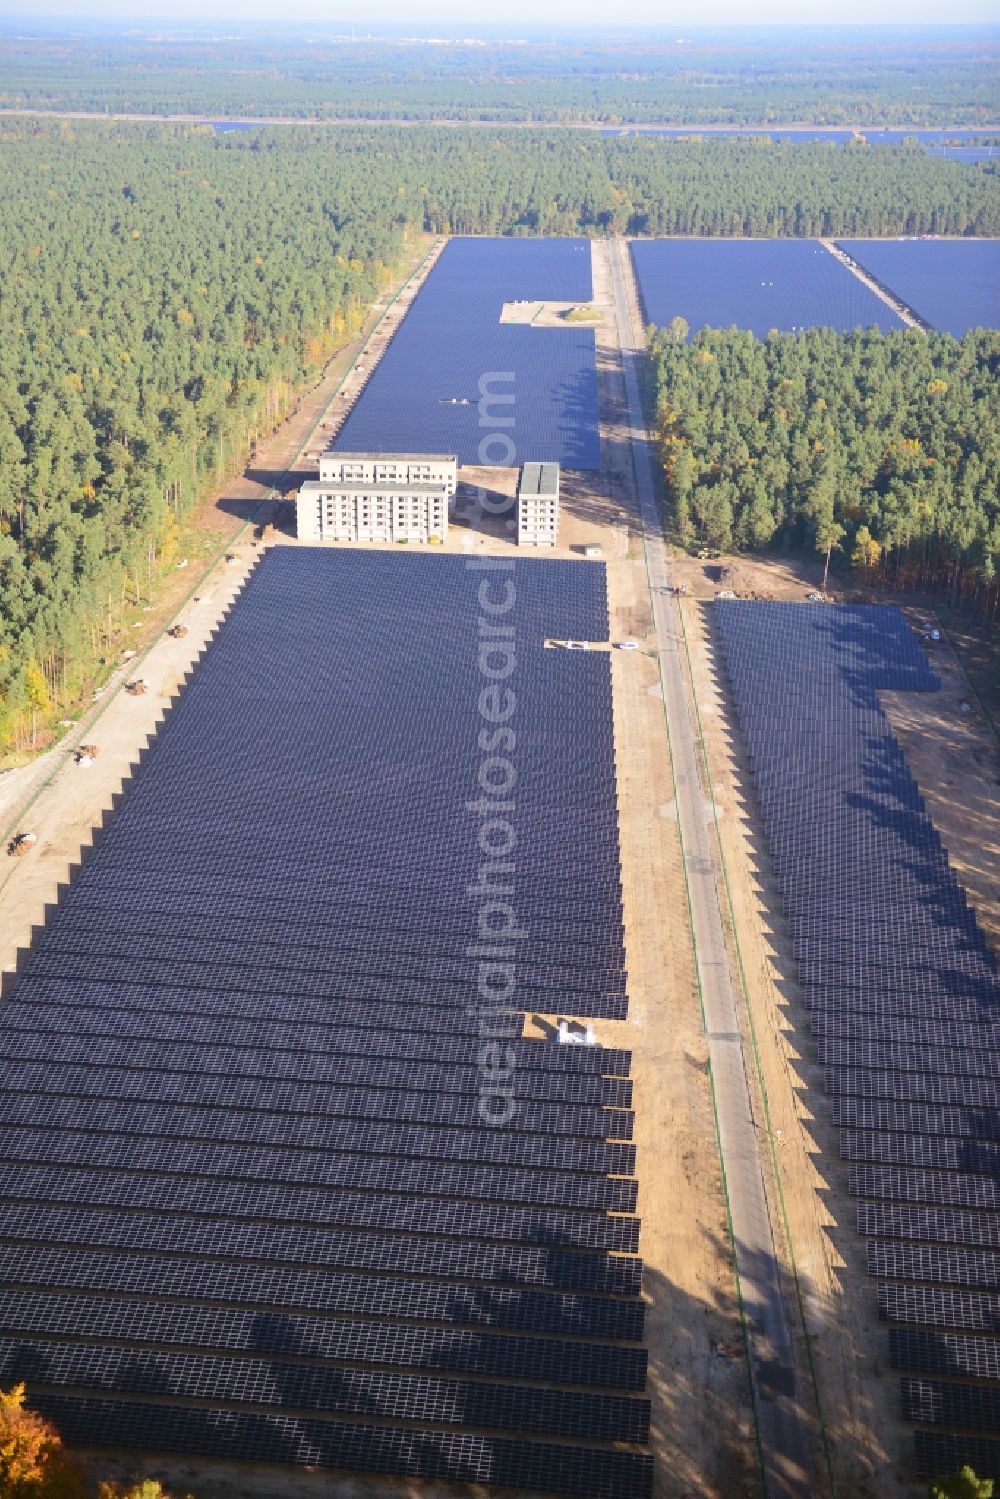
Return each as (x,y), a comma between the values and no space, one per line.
(538,505)
(377,497)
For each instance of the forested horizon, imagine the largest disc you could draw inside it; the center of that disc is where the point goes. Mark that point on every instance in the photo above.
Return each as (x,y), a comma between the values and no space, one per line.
(168,289)
(827,75)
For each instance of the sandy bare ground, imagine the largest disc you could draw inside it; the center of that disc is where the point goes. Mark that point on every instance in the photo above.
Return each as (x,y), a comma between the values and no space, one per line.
(557,314)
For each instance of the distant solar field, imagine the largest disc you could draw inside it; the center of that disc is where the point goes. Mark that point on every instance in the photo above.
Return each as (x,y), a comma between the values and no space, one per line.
(425,394)
(250,1205)
(754,284)
(953,284)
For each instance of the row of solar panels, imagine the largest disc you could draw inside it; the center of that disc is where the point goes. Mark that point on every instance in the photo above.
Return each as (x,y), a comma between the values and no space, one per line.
(244,1153)
(900,987)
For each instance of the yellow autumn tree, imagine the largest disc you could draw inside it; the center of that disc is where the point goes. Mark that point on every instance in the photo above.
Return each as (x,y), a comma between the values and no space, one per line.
(33,1464)
(867,550)
(147,1488)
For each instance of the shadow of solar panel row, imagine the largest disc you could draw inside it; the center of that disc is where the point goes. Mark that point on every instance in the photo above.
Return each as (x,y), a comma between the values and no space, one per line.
(410,1397)
(977,1092)
(219,1092)
(937,1225)
(247,1200)
(367,1039)
(589,1473)
(325,1292)
(380,1072)
(486,1145)
(941,1452)
(503,1183)
(436,387)
(144,1323)
(242,1070)
(79,962)
(934,1151)
(937,1188)
(510,1264)
(948,1267)
(900,987)
(934,1307)
(938,1403)
(928,1119)
(943,1353)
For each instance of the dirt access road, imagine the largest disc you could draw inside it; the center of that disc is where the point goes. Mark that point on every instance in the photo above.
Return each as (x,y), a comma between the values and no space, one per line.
(782,1396)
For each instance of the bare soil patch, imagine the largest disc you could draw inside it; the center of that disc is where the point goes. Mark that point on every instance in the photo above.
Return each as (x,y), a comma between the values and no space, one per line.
(557,314)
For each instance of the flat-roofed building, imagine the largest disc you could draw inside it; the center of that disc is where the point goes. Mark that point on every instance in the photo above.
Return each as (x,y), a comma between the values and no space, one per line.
(538,505)
(377,497)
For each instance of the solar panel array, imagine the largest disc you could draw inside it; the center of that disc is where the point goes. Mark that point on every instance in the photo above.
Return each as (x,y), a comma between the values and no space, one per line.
(250,1205)
(455,379)
(952,284)
(901,990)
(755,284)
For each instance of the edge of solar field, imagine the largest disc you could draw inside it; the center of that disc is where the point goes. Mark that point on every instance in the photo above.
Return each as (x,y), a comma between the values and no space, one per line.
(927,1203)
(248,1430)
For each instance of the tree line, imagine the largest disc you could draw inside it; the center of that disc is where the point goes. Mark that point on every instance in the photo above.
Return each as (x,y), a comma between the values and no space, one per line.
(885,447)
(166,290)
(753,76)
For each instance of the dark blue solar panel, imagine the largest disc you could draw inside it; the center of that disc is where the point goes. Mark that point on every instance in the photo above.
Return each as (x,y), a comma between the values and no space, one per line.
(753,284)
(242,1076)
(944,1353)
(936,1402)
(940,1452)
(391,1395)
(142,1322)
(540,384)
(933,1306)
(953,284)
(319,1290)
(584,1473)
(900,987)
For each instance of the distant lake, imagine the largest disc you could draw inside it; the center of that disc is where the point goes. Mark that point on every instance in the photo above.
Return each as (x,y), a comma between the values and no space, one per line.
(874,137)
